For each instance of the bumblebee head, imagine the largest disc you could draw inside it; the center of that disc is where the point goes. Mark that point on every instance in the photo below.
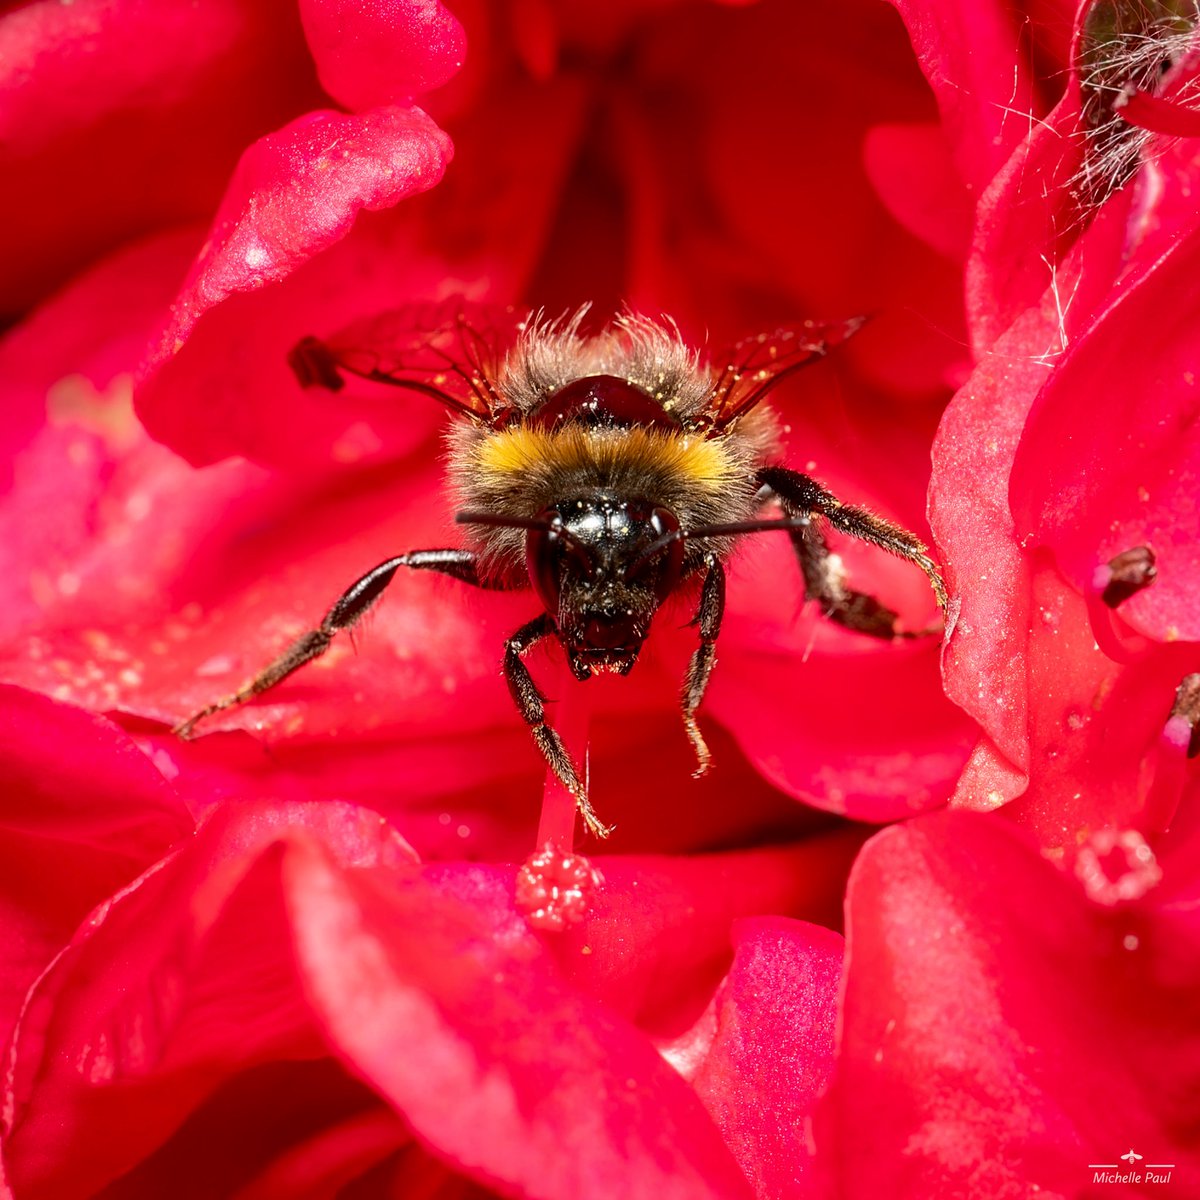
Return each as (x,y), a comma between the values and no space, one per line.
(602,565)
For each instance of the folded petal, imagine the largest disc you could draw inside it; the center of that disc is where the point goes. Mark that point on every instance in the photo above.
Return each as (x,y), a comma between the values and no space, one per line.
(179,984)
(971,56)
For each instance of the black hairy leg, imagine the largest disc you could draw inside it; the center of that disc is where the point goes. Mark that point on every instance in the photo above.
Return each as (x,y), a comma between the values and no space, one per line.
(531,705)
(824,580)
(349,608)
(708,620)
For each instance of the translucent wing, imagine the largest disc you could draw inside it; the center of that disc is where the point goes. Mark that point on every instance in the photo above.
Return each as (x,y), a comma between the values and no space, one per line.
(744,375)
(452,351)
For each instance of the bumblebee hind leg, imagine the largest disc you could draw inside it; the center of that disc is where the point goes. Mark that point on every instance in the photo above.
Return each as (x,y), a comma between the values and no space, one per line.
(824,578)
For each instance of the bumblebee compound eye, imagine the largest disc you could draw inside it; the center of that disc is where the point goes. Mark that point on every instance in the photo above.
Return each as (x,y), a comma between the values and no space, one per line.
(660,562)
(550,550)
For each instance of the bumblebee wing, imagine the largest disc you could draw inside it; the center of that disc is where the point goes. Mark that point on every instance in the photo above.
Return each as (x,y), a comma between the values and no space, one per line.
(745,373)
(452,351)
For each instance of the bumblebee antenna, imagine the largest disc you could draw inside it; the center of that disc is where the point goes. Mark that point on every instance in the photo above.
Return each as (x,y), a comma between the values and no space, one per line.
(733,529)
(550,525)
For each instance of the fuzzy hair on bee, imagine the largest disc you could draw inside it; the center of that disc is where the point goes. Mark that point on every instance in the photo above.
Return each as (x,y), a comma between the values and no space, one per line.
(601,471)
(522,469)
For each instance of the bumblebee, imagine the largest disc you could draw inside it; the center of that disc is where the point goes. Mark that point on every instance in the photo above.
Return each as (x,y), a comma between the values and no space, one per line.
(605,473)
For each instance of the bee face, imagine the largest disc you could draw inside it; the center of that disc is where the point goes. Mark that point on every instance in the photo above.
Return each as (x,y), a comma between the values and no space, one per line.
(602,564)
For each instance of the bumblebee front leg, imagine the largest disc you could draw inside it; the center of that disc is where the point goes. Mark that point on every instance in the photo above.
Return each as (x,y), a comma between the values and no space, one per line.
(531,705)
(824,580)
(349,608)
(708,618)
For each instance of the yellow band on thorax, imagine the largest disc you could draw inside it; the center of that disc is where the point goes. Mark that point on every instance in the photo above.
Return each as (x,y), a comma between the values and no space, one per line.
(700,460)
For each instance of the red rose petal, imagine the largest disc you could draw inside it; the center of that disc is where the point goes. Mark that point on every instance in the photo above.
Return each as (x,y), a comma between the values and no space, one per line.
(294,193)
(911,169)
(382,53)
(970,53)
(772,1053)
(82,812)
(1092,489)
(1159,116)
(816,239)
(230,390)
(656,942)
(120,119)
(1094,725)
(330,1161)
(983,1045)
(92,333)
(183,980)
(988,576)
(799,695)
(1026,216)
(527,1082)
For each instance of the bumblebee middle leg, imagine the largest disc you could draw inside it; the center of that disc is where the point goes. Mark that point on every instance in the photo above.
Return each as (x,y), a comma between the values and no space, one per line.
(531,705)
(824,580)
(349,608)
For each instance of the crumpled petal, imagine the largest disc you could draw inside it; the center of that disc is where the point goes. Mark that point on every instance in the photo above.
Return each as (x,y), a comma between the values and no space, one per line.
(986,1050)
(281,932)
(528,1083)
